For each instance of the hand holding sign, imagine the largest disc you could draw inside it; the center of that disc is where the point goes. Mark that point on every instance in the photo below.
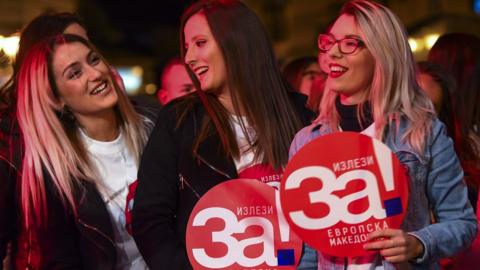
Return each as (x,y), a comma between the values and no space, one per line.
(341,187)
(395,245)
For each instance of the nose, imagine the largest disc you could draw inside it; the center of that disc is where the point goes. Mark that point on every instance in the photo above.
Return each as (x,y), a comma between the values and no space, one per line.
(190,58)
(94,73)
(334,51)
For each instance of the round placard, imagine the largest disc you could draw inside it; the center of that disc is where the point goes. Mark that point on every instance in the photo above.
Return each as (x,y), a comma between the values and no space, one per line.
(238,224)
(339,188)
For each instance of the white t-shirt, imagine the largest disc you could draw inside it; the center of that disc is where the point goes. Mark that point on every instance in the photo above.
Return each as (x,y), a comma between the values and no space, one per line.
(246,151)
(117,168)
(247,166)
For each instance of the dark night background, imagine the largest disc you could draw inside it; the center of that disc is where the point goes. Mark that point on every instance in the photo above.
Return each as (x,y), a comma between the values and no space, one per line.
(145,33)
(145,28)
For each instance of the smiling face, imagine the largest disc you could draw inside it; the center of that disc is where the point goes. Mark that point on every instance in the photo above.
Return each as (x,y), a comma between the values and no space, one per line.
(83,80)
(349,75)
(203,55)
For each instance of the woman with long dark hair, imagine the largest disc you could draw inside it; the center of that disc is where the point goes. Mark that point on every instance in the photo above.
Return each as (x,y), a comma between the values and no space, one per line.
(459,55)
(240,117)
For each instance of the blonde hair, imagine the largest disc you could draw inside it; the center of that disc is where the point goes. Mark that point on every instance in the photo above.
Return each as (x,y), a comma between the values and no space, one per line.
(52,145)
(394,92)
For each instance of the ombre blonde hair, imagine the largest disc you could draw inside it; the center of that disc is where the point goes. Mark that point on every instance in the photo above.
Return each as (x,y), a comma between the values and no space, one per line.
(394,92)
(52,144)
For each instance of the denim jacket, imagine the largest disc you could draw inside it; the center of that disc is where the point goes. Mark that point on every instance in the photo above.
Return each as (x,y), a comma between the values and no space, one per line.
(436,186)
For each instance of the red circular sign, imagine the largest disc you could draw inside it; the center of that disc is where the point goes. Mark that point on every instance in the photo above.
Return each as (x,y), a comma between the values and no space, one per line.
(339,188)
(238,224)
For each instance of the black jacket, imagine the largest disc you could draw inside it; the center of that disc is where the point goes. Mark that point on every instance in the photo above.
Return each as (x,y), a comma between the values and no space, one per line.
(85,242)
(170,182)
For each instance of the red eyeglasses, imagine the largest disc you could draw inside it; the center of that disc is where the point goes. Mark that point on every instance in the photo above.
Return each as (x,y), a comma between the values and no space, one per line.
(346,45)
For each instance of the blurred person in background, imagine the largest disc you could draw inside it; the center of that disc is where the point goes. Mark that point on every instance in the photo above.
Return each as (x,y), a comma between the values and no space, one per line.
(439,86)
(175,82)
(459,55)
(305,76)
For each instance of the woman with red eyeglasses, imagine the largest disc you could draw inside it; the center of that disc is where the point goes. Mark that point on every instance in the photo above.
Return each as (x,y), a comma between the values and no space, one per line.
(371,88)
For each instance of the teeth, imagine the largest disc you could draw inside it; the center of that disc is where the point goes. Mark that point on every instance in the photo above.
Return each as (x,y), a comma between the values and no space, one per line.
(201,70)
(337,69)
(100,88)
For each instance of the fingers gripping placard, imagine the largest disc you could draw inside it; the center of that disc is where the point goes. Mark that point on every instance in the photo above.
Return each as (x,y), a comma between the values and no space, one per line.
(339,188)
(238,224)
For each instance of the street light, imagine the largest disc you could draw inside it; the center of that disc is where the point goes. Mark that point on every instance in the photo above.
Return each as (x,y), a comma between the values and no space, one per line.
(431,39)
(9,45)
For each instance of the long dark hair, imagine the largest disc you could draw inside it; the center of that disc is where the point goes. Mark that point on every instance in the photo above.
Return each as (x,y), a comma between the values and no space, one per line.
(254,79)
(459,55)
(447,85)
(42,27)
